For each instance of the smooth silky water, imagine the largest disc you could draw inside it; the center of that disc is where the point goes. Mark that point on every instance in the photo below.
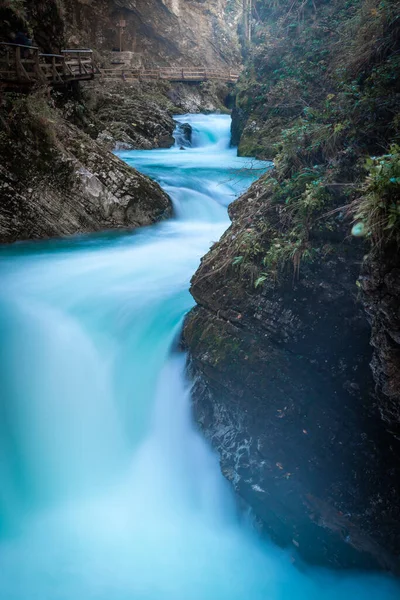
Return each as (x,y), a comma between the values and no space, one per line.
(107,490)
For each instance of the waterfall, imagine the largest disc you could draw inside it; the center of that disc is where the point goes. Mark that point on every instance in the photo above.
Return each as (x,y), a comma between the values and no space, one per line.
(107,489)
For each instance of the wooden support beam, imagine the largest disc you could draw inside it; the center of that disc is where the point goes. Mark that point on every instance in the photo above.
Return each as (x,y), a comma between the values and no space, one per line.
(18,62)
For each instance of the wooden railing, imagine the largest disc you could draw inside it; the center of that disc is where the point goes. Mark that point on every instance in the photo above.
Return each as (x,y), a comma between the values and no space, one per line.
(25,65)
(18,62)
(79,64)
(189,74)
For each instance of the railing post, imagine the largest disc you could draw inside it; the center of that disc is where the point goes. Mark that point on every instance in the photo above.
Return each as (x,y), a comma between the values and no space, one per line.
(53,68)
(18,62)
(37,65)
(80,63)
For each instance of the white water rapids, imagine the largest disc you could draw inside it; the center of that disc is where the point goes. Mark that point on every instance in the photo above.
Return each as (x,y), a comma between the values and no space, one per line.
(107,490)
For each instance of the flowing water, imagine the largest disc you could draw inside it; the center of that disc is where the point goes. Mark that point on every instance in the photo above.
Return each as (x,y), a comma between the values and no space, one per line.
(107,490)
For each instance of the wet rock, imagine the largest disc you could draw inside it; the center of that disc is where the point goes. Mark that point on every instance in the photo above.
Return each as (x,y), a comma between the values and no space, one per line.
(185,130)
(183,136)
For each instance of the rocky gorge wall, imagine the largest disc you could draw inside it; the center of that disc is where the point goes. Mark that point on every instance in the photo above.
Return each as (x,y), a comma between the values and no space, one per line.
(160,32)
(284,392)
(156,32)
(301,409)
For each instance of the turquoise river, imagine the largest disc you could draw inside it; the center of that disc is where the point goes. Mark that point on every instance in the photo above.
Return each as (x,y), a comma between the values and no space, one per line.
(107,489)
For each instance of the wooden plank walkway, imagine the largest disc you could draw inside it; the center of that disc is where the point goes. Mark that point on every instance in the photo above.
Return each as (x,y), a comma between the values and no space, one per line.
(177,74)
(26,66)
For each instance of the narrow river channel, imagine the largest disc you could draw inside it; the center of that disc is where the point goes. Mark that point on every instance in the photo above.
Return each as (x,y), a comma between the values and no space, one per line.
(107,490)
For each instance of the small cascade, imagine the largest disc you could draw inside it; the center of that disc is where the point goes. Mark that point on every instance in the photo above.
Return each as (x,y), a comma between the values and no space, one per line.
(206,133)
(205,177)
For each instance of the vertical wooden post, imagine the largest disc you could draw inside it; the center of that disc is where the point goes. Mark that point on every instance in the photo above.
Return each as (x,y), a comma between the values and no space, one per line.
(183,77)
(80,63)
(18,66)
(54,68)
(37,65)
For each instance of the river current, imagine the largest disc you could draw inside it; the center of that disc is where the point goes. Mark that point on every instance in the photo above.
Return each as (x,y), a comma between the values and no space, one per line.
(107,489)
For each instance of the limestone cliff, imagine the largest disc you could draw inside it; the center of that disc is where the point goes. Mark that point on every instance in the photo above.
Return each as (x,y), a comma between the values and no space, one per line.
(159,32)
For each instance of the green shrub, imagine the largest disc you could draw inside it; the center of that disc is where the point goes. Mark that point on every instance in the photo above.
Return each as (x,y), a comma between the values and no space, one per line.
(377,211)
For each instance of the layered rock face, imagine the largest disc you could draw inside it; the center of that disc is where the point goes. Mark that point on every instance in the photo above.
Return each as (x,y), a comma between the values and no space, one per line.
(143,118)
(169,32)
(283,391)
(159,33)
(380,283)
(56,180)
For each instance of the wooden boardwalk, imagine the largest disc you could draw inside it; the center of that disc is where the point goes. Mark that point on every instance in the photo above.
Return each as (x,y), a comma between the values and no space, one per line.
(26,66)
(177,74)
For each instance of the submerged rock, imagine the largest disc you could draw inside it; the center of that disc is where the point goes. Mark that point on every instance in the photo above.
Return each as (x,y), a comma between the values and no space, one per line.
(183,135)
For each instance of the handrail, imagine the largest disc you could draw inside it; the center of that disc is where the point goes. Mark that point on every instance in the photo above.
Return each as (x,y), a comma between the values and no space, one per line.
(18,45)
(77,50)
(190,74)
(42,55)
